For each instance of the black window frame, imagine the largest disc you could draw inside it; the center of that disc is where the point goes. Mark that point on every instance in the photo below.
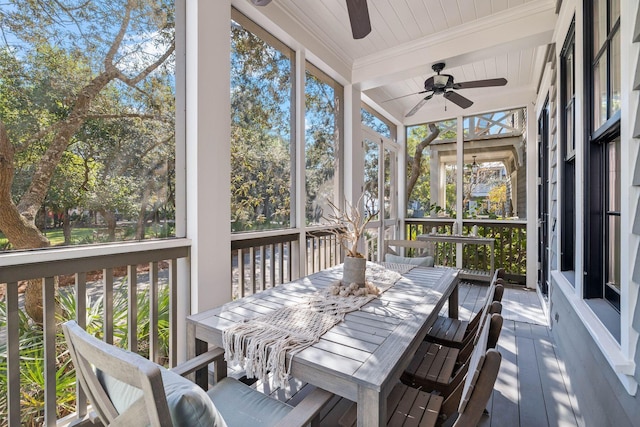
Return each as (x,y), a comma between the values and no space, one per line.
(596,140)
(567,151)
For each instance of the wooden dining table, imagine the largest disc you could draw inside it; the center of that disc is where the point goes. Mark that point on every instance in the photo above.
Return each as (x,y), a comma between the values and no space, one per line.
(360,358)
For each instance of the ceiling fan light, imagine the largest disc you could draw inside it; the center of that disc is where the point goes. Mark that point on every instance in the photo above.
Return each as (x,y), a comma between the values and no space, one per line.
(440,81)
(261,2)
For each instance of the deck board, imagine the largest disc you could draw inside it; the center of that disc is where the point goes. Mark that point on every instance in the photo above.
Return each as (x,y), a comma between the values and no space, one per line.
(532,389)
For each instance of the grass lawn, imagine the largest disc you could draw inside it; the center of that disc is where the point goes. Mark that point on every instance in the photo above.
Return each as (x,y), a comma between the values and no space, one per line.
(82,235)
(56,237)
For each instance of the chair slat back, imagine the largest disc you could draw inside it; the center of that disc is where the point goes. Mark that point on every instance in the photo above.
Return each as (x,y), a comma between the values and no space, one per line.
(486,311)
(91,356)
(475,364)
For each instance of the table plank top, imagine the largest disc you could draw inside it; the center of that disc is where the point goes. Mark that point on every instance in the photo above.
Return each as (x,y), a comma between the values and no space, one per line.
(370,348)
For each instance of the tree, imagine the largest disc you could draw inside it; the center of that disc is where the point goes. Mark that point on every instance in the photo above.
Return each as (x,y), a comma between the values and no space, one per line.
(415,167)
(59,60)
(498,199)
(261,83)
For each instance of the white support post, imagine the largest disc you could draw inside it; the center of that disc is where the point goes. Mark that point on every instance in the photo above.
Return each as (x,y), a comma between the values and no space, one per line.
(401,186)
(299,254)
(459,185)
(532,202)
(208,151)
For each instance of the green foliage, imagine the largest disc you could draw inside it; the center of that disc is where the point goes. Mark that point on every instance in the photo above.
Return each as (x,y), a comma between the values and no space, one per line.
(32,362)
(261,83)
(119,156)
(321,145)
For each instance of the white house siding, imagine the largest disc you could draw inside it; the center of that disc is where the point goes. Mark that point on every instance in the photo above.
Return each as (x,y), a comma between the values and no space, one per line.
(602,372)
(636,183)
(553,164)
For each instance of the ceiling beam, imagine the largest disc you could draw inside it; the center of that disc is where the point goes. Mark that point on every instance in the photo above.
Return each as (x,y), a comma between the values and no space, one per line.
(526,26)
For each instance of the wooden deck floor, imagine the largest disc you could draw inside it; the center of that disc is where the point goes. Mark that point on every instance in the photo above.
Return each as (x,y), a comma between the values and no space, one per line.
(532,389)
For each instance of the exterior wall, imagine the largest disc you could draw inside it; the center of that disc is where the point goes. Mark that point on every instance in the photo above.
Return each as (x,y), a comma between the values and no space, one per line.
(602,399)
(604,373)
(634,137)
(554,98)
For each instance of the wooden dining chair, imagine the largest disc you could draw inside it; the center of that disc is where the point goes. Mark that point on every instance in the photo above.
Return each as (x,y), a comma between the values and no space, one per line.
(462,408)
(457,333)
(436,367)
(125,389)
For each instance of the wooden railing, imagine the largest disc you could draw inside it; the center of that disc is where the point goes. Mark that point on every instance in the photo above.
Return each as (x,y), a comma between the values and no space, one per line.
(510,244)
(116,289)
(263,260)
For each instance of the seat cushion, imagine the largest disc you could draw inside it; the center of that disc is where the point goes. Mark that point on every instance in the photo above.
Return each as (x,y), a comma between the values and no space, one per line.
(241,405)
(422,261)
(188,404)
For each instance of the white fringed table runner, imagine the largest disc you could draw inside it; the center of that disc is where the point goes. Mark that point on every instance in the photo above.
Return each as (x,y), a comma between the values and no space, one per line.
(260,345)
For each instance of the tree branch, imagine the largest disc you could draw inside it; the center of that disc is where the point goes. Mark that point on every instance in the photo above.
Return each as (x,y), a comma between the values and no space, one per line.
(417,158)
(133,81)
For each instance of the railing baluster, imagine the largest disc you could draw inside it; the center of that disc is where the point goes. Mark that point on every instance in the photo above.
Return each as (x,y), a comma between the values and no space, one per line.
(241,272)
(108,305)
(263,274)
(132,312)
(49,330)
(173,312)
(153,312)
(289,266)
(13,355)
(252,269)
(272,265)
(281,263)
(81,319)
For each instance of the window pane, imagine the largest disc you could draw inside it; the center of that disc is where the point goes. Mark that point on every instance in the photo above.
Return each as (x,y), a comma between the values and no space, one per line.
(322,138)
(613,214)
(389,178)
(427,187)
(615,11)
(371,174)
(599,94)
(613,175)
(375,123)
(109,174)
(569,125)
(613,258)
(615,73)
(261,87)
(599,24)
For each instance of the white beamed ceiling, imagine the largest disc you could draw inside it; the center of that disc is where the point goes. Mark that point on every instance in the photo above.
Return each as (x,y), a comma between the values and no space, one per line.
(477,39)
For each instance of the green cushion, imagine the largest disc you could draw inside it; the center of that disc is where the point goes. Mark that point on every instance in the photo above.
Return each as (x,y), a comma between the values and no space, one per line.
(188,404)
(426,261)
(243,406)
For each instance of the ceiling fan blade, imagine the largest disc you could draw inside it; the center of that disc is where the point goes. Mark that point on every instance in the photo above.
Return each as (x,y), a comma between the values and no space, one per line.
(261,2)
(458,99)
(419,105)
(359,17)
(404,96)
(480,83)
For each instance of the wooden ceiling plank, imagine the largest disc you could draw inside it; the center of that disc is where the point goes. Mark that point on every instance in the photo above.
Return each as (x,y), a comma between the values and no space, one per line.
(451,12)
(467,10)
(527,27)
(483,8)
(437,15)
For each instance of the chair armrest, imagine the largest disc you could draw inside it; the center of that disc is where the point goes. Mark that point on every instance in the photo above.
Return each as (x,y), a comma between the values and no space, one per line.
(307,409)
(198,362)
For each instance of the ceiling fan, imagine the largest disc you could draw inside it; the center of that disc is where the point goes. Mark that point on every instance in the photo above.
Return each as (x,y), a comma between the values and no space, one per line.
(358,16)
(443,84)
